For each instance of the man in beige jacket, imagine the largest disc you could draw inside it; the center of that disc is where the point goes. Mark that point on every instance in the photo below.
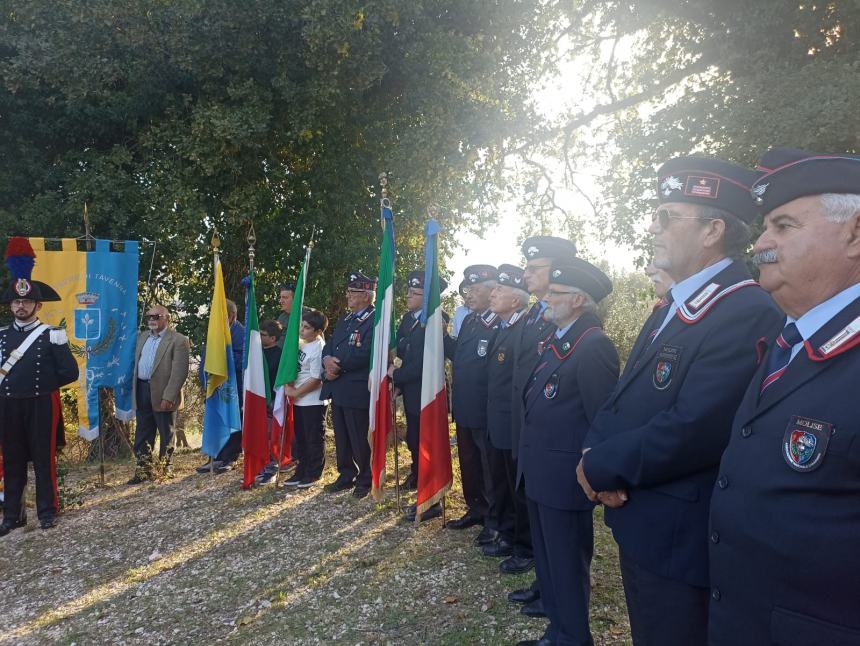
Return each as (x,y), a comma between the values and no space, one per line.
(161,367)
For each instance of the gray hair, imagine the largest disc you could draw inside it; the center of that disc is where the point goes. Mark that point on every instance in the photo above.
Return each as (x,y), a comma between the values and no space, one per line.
(736,236)
(588,304)
(839,207)
(521,295)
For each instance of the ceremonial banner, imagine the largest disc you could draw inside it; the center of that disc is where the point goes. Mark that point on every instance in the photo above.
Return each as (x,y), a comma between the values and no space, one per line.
(434,446)
(381,414)
(288,369)
(221,411)
(255,432)
(99,311)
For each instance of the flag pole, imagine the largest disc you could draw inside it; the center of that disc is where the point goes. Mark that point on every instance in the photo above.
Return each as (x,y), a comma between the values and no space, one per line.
(383,183)
(215,243)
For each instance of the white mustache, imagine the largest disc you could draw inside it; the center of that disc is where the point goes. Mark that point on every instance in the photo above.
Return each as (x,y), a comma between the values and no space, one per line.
(765,257)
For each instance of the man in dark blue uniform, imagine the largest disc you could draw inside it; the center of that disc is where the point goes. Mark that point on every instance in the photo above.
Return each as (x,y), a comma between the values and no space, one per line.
(656,443)
(509,300)
(576,372)
(469,354)
(407,378)
(785,518)
(540,252)
(346,365)
(36,361)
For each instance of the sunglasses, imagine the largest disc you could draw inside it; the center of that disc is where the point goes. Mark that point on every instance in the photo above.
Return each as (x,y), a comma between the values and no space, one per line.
(153,317)
(664,216)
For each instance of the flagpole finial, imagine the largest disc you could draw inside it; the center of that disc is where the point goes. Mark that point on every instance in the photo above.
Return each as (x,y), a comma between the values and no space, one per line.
(432,211)
(385,200)
(215,241)
(252,239)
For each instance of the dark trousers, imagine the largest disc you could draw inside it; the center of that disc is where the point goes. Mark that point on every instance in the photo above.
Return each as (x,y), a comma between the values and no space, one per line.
(413,425)
(500,515)
(149,421)
(30,435)
(663,611)
(522,538)
(310,441)
(469,449)
(232,449)
(351,445)
(563,546)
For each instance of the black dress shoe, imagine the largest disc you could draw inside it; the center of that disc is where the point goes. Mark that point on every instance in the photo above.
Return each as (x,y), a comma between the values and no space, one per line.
(499,548)
(543,641)
(523,595)
(8,525)
(433,512)
(464,522)
(516,564)
(338,485)
(47,522)
(486,536)
(137,478)
(533,609)
(360,492)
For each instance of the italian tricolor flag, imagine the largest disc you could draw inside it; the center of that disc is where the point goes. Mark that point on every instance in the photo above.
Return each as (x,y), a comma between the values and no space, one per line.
(434,452)
(288,369)
(255,435)
(381,415)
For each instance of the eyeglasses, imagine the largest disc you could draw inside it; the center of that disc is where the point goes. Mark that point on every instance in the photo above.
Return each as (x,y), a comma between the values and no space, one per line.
(153,317)
(530,269)
(22,301)
(555,292)
(663,216)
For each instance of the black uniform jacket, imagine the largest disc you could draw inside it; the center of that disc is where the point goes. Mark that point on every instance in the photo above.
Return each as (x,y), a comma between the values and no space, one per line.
(661,433)
(410,350)
(573,378)
(44,368)
(469,354)
(500,373)
(785,515)
(350,343)
(527,349)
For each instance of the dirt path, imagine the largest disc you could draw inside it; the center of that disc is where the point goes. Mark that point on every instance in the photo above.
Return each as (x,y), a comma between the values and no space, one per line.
(198,560)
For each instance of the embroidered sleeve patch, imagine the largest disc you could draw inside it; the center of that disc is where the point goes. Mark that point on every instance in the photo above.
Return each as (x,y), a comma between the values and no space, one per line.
(804,443)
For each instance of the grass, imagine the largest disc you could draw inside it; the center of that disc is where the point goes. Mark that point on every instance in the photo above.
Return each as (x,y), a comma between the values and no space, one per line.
(196,559)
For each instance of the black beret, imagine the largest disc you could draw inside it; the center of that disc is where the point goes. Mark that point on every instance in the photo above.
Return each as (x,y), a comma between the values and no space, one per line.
(511,275)
(548,247)
(710,182)
(357,280)
(479,273)
(790,173)
(578,273)
(416,279)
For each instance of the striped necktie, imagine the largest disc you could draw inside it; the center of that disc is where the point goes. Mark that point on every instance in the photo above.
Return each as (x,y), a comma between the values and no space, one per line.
(780,355)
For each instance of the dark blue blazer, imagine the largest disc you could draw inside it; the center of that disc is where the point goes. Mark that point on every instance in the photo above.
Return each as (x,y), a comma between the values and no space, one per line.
(350,343)
(661,433)
(469,354)
(785,514)
(527,351)
(410,350)
(500,374)
(573,378)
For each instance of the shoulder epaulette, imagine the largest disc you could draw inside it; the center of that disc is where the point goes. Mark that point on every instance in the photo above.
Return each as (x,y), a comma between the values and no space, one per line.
(701,302)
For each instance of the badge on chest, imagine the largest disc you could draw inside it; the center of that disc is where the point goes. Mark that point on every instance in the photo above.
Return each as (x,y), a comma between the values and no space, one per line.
(666,366)
(355,339)
(804,443)
(550,389)
(483,346)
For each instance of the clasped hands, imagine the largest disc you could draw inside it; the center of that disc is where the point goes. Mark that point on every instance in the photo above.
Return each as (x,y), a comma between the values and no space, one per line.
(613,499)
(331,366)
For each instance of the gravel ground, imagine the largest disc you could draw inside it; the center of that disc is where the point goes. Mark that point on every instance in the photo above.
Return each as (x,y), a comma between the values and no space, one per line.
(196,559)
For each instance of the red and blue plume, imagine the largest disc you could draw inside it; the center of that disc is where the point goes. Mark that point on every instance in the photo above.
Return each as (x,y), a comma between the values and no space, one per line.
(20,258)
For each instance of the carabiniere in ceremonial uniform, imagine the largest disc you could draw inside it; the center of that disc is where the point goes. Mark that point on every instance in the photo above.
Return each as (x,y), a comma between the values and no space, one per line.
(36,361)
